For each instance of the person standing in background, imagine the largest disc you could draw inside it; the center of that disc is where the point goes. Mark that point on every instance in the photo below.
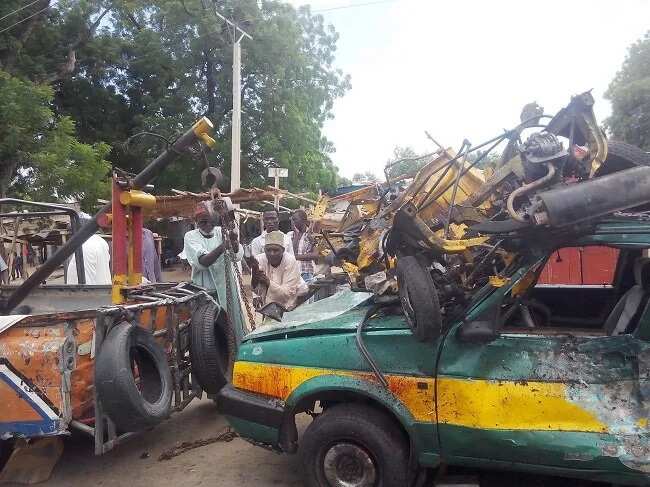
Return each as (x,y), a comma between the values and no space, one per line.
(150,258)
(17,272)
(97,260)
(30,255)
(4,271)
(302,243)
(271,223)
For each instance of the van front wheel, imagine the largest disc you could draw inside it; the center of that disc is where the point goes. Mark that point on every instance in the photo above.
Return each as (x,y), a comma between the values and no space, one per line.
(354,445)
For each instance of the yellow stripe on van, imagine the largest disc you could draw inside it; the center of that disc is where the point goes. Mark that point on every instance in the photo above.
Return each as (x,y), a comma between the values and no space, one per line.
(416,393)
(483,404)
(538,406)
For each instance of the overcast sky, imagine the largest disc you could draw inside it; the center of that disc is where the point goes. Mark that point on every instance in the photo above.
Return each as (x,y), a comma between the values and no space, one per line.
(465,68)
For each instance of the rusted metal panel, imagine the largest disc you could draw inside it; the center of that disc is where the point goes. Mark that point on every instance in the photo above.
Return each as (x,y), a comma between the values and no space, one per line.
(591,265)
(563,267)
(47,362)
(599,264)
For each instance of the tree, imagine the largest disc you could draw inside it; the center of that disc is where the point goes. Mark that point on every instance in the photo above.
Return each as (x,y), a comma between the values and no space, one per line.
(24,118)
(173,65)
(119,68)
(40,158)
(343,181)
(629,93)
(405,161)
(489,160)
(364,178)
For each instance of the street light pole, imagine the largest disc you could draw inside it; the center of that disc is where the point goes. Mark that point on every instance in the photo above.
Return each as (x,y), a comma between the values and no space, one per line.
(235,156)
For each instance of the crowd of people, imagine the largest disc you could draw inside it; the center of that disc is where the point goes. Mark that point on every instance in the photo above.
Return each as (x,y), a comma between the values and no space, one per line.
(17,270)
(282,264)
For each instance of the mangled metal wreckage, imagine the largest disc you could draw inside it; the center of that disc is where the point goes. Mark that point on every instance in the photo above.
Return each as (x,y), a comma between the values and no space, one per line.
(459,227)
(455,355)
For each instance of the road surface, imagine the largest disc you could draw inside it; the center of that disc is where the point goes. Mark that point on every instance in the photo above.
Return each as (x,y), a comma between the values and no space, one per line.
(136,463)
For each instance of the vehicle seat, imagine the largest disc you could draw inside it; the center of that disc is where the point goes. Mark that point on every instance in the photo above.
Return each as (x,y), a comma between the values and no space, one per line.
(625,314)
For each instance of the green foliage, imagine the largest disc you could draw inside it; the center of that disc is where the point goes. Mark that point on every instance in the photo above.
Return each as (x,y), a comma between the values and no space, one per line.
(174,64)
(40,158)
(629,93)
(364,177)
(121,67)
(405,161)
(490,160)
(343,181)
(67,169)
(24,119)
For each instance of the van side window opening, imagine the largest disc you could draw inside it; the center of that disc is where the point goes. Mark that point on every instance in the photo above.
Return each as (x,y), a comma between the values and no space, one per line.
(593,265)
(596,290)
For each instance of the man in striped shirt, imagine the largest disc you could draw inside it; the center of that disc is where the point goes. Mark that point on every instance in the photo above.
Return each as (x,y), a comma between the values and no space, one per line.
(302,242)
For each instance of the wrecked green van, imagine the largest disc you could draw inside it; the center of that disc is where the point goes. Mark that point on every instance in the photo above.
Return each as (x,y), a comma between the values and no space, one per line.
(536,378)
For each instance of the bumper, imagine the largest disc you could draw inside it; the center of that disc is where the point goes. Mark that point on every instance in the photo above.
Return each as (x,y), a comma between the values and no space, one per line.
(250,407)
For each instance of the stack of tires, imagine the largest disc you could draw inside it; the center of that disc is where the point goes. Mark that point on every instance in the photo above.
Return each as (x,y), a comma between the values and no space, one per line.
(133,376)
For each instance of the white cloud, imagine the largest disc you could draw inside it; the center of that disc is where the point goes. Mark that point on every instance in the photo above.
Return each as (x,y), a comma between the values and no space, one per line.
(465,68)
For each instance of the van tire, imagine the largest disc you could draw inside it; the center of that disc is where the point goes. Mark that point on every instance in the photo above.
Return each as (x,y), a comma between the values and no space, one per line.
(419,298)
(133,404)
(620,156)
(213,346)
(364,438)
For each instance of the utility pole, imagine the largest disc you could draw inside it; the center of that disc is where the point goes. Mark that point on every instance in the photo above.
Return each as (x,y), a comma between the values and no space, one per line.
(277,173)
(235,158)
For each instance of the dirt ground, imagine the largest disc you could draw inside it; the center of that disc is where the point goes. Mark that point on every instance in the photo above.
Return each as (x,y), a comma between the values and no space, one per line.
(135,463)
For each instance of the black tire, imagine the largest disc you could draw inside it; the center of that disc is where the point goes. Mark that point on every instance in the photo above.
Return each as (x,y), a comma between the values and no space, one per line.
(348,437)
(6,447)
(620,156)
(213,347)
(419,299)
(133,405)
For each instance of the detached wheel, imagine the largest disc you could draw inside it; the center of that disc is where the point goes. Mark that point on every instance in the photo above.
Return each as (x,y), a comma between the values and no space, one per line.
(133,378)
(353,445)
(419,299)
(212,348)
(620,156)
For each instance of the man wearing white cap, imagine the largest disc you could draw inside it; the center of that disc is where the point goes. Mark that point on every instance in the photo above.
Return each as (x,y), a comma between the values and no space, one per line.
(277,280)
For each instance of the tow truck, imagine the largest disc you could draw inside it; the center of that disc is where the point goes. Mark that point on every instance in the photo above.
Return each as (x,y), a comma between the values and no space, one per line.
(108,361)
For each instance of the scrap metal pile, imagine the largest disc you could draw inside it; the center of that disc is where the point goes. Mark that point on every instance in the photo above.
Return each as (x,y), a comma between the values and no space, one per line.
(437,235)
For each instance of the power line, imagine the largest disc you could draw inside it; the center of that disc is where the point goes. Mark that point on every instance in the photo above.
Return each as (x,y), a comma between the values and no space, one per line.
(19,9)
(353,5)
(26,18)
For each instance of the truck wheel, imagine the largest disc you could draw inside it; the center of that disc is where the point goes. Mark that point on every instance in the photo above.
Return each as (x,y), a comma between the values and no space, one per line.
(620,156)
(419,299)
(354,445)
(212,348)
(133,378)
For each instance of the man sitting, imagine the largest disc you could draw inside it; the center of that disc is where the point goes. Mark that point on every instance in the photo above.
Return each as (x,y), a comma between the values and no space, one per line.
(276,278)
